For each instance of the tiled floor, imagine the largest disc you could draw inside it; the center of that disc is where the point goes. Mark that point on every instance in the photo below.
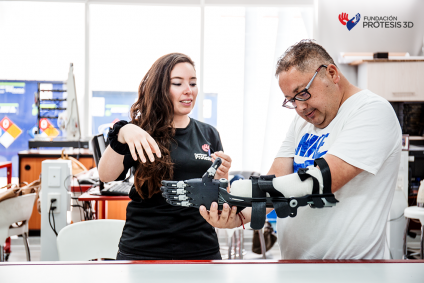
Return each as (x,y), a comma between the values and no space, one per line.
(18,249)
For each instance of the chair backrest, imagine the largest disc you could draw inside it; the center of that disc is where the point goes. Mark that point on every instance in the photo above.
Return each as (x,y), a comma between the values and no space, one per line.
(98,145)
(89,240)
(15,210)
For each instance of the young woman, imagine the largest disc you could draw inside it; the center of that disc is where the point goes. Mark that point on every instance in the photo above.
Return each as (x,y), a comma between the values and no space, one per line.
(184,149)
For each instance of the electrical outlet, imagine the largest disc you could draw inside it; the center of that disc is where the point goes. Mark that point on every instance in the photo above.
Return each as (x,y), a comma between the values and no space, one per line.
(56,204)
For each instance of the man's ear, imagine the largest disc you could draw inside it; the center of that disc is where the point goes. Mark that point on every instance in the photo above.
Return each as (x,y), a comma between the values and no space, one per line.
(334,73)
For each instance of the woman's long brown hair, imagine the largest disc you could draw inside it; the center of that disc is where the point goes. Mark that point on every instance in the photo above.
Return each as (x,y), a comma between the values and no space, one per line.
(154,113)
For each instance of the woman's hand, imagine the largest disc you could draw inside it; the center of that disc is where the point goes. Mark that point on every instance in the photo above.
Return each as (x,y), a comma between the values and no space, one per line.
(227,219)
(222,171)
(137,140)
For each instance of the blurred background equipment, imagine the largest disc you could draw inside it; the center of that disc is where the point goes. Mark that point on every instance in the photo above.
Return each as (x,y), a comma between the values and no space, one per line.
(60,105)
(73,129)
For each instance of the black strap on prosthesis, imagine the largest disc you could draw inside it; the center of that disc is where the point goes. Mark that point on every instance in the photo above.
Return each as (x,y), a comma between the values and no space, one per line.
(285,207)
(259,203)
(325,172)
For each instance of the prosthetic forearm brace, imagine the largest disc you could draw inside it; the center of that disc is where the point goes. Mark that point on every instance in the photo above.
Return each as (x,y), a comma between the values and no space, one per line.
(309,186)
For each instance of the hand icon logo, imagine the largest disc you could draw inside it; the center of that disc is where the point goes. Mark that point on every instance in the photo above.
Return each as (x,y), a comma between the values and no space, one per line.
(353,22)
(350,24)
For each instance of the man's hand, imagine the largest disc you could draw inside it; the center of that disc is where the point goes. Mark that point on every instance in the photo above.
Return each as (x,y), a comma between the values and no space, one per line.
(222,171)
(227,219)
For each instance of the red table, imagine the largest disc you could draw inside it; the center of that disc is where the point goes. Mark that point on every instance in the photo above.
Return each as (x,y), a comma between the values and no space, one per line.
(100,203)
(80,189)
(7,165)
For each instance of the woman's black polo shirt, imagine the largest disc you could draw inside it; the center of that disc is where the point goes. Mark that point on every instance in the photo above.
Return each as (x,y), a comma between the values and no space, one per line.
(154,228)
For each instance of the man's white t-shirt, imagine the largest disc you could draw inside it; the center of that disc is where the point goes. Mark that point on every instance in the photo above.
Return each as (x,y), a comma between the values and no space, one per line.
(366,134)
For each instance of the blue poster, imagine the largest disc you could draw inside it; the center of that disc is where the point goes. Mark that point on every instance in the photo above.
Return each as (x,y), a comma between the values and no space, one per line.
(18,117)
(109,107)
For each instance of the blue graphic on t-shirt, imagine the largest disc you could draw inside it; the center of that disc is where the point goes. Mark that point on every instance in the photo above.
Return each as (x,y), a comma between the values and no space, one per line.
(309,147)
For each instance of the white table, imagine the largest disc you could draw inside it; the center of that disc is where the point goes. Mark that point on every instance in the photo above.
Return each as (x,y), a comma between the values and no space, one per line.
(215,271)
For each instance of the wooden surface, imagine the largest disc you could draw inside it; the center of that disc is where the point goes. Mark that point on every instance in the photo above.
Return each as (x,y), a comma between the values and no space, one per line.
(371,54)
(117,209)
(56,153)
(33,159)
(292,271)
(395,81)
(358,62)
(34,163)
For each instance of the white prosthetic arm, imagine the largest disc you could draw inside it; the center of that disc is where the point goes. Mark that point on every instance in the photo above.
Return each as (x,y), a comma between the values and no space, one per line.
(309,186)
(289,185)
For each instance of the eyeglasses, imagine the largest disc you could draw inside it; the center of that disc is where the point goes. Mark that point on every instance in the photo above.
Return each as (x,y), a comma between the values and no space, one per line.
(303,95)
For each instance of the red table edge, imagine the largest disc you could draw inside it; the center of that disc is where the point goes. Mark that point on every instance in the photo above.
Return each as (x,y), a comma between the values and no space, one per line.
(216,262)
(88,197)
(81,188)
(7,165)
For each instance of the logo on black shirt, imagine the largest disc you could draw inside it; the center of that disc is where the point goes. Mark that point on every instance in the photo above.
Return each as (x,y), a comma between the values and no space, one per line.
(205,147)
(202,156)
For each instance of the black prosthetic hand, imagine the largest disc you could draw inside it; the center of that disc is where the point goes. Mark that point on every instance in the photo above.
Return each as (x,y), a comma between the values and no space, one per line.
(199,191)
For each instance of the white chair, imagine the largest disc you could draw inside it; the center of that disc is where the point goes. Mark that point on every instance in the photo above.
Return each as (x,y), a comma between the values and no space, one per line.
(89,240)
(15,210)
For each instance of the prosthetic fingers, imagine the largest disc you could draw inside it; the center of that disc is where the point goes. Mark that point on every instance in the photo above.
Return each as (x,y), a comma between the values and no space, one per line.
(309,186)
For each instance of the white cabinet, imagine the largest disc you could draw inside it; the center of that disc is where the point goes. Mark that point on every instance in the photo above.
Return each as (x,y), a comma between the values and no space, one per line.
(395,81)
